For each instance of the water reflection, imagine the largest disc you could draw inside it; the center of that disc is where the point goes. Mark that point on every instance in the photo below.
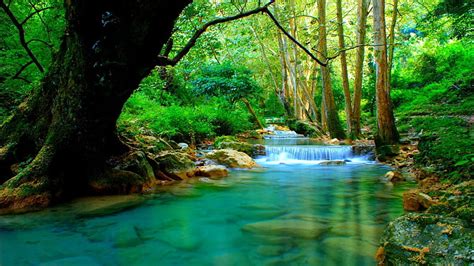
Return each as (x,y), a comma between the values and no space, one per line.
(279,215)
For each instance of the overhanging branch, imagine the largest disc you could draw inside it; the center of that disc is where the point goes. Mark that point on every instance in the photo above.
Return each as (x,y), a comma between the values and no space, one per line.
(163,60)
(21,33)
(34,13)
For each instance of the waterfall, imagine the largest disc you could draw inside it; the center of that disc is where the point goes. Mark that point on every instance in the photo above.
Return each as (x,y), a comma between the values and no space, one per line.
(307,152)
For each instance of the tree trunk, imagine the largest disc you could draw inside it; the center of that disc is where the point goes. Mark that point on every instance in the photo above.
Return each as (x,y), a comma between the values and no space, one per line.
(344,75)
(391,39)
(330,112)
(252,112)
(359,65)
(387,133)
(66,131)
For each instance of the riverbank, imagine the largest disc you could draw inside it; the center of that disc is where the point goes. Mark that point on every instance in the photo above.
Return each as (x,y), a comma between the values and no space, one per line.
(439,226)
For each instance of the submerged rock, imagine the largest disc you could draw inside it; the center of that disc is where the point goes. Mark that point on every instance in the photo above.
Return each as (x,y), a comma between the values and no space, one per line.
(232,158)
(212,171)
(287,227)
(427,239)
(333,162)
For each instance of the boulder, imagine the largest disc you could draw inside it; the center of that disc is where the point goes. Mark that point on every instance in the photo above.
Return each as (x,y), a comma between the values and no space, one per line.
(131,173)
(334,162)
(421,238)
(177,165)
(232,158)
(414,200)
(212,171)
(363,149)
(394,176)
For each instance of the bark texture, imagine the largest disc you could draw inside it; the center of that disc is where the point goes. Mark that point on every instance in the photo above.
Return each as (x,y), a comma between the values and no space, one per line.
(387,133)
(330,113)
(344,74)
(362,9)
(65,131)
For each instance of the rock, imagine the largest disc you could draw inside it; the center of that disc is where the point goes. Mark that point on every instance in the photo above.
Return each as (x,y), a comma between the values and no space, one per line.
(258,149)
(136,162)
(176,165)
(414,200)
(105,205)
(334,162)
(421,238)
(394,176)
(72,261)
(334,141)
(387,151)
(212,171)
(236,145)
(232,158)
(287,227)
(363,149)
(183,146)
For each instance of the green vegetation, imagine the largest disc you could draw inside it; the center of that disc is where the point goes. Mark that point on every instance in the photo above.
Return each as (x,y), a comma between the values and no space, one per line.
(434,95)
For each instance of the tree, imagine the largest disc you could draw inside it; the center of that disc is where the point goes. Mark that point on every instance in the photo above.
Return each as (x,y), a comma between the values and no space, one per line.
(387,133)
(362,12)
(65,132)
(344,75)
(233,83)
(66,128)
(330,113)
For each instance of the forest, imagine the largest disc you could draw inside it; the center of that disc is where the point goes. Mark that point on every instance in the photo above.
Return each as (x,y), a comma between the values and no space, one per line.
(301,129)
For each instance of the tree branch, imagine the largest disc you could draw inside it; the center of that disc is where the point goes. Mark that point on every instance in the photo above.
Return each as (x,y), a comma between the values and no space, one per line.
(275,21)
(34,13)
(21,32)
(163,60)
(18,73)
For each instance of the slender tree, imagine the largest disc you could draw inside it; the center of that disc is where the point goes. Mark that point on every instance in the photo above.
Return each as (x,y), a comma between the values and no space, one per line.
(344,75)
(387,133)
(330,113)
(362,12)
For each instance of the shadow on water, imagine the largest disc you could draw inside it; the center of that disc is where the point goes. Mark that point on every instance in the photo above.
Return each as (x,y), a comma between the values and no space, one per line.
(298,213)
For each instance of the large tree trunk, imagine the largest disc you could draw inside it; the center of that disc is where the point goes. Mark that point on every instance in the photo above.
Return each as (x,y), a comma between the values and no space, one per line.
(330,112)
(359,65)
(387,133)
(344,75)
(65,131)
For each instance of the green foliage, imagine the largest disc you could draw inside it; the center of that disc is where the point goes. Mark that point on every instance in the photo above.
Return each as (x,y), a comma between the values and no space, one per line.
(446,144)
(439,80)
(226,80)
(190,124)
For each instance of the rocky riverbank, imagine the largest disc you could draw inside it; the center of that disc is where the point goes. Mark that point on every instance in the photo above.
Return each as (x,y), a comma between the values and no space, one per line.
(439,228)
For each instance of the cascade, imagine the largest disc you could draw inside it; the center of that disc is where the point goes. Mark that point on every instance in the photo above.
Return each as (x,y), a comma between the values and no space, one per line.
(307,152)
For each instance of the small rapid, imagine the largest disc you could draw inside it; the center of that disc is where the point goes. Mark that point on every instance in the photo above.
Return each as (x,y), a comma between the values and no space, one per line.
(308,152)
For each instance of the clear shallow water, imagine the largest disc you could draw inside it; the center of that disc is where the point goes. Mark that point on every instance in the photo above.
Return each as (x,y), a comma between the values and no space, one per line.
(280,214)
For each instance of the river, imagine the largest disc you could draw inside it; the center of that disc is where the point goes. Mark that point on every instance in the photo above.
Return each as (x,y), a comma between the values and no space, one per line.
(291,211)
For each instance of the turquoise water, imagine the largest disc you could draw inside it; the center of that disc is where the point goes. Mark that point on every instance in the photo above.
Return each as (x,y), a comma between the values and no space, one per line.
(280,214)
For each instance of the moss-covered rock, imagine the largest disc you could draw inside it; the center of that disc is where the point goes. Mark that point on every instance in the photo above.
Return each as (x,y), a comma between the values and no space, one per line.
(427,239)
(238,146)
(177,165)
(232,158)
(303,127)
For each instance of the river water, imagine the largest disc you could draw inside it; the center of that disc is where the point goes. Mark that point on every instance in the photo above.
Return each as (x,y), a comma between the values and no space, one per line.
(291,211)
